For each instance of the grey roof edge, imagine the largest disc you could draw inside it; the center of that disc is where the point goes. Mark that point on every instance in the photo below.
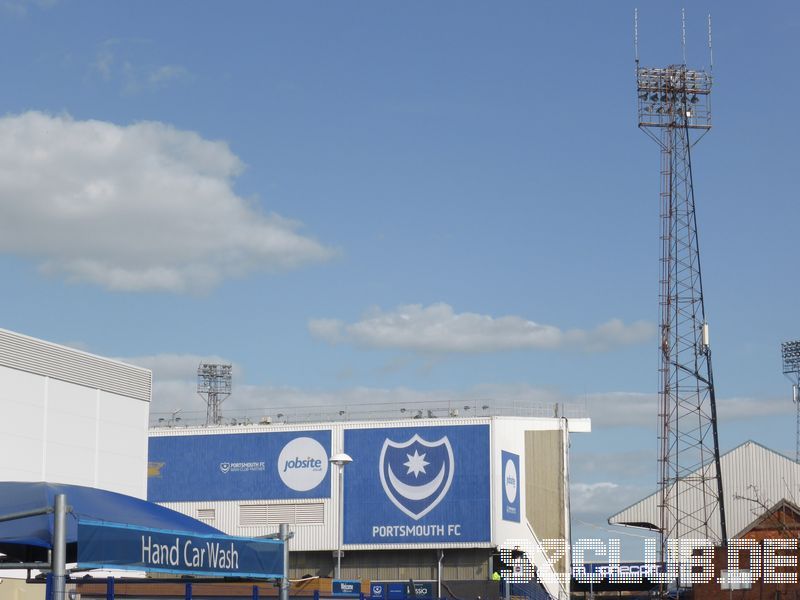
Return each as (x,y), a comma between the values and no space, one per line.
(47,359)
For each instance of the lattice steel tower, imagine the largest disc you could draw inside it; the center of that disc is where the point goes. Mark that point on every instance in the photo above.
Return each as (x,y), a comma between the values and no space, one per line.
(674,110)
(214,386)
(790,353)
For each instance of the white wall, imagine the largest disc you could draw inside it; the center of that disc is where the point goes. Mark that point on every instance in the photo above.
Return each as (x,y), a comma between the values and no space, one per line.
(67,431)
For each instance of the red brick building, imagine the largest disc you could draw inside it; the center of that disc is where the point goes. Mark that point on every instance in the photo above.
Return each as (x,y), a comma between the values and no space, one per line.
(773,539)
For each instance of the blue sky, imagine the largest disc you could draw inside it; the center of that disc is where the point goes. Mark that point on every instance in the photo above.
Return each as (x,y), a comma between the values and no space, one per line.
(373,201)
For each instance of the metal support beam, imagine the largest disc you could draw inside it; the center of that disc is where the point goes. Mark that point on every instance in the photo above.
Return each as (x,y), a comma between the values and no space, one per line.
(439,574)
(12,566)
(59,547)
(284,534)
(28,513)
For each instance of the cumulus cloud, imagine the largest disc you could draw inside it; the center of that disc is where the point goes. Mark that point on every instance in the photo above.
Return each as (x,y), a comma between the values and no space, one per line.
(20,7)
(175,384)
(438,328)
(592,503)
(639,409)
(117,62)
(171,367)
(165,73)
(142,207)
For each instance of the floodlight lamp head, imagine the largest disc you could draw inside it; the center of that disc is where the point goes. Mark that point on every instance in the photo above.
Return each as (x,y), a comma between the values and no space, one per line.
(790,352)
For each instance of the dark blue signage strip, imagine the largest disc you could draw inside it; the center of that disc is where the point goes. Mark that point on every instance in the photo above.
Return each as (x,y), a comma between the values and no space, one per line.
(400,590)
(346,587)
(279,465)
(417,485)
(117,546)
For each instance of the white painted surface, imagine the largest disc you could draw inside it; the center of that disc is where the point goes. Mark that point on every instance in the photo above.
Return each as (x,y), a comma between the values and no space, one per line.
(60,426)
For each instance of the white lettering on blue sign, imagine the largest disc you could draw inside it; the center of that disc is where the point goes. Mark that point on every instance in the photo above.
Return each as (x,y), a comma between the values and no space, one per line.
(213,556)
(193,557)
(160,554)
(390,531)
(222,559)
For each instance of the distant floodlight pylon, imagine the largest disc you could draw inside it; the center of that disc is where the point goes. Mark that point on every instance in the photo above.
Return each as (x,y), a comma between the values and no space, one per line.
(790,353)
(214,386)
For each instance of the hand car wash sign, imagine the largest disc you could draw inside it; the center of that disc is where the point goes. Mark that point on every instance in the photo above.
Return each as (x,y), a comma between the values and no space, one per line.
(113,545)
(417,485)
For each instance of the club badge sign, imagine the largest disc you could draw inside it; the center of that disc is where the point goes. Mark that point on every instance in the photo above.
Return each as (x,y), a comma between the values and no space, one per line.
(417,485)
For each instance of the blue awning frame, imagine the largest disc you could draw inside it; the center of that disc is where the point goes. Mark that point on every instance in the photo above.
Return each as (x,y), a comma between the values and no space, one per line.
(35,514)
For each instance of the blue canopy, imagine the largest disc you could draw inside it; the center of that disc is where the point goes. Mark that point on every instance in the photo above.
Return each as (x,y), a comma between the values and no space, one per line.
(28,538)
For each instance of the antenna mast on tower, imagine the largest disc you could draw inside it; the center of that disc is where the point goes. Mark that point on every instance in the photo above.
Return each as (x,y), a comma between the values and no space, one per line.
(214,386)
(674,109)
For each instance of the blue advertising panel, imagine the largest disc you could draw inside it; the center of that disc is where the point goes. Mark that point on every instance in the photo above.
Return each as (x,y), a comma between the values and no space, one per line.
(417,485)
(104,545)
(346,587)
(509,467)
(242,466)
(401,590)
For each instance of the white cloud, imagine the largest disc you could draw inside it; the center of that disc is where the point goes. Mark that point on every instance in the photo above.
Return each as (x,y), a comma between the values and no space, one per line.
(117,61)
(177,367)
(175,384)
(166,73)
(638,409)
(20,8)
(134,208)
(437,328)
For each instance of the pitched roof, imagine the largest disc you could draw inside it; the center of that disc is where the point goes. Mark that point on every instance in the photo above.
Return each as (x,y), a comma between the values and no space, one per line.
(753,477)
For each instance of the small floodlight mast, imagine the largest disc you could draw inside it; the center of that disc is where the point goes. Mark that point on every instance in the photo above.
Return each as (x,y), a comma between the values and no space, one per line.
(674,110)
(790,352)
(214,386)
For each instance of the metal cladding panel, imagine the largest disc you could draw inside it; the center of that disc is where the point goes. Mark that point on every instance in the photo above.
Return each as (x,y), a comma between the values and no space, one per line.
(754,479)
(273,465)
(417,484)
(73,366)
(61,431)
(227,517)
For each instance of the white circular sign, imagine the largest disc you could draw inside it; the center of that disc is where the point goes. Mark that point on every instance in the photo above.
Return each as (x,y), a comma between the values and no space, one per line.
(302,464)
(510,481)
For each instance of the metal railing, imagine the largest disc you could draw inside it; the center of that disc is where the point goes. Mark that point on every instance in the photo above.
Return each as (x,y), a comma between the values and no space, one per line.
(326,413)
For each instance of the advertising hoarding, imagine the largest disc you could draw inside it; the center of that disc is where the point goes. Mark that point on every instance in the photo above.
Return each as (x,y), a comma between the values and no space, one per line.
(242,466)
(417,485)
(510,486)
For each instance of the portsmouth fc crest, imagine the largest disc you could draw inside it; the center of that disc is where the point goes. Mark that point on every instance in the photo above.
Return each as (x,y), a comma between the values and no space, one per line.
(416,474)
